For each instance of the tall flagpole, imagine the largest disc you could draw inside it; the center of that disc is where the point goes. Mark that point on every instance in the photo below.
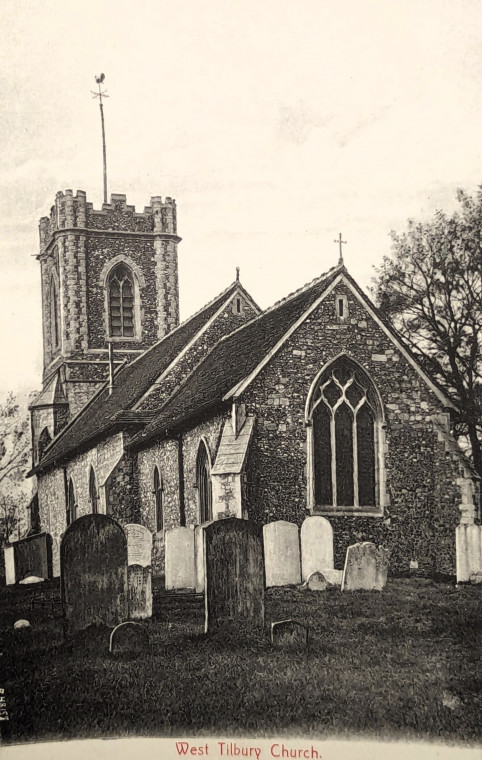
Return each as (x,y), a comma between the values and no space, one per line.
(102,94)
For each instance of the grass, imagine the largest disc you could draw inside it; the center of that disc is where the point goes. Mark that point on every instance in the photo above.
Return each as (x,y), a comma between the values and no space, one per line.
(404,663)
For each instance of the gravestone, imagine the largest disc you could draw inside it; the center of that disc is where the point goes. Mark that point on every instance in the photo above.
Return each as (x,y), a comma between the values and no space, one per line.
(19,624)
(199,557)
(180,565)
(234,574)
(281,553)
(139,571)
(31,579)
(316,582)
(93,561)
(9,556)
(366,568)
(316,546)
(289,633)
(129,639)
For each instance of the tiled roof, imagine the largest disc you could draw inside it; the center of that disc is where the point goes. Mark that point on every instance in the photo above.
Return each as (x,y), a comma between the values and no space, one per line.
(105,412)
(233,359)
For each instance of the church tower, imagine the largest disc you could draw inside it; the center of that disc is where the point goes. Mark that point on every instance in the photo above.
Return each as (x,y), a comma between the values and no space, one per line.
(108,276)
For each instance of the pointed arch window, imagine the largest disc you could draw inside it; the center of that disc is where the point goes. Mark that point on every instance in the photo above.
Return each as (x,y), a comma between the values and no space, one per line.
(346,433)
(43,441)
(203,481)
(158,496)
(71,503)
(120,293)
(54,316)
(93,496)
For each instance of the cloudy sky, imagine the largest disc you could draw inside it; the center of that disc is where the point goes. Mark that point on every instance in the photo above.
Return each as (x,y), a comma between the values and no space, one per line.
(274,124)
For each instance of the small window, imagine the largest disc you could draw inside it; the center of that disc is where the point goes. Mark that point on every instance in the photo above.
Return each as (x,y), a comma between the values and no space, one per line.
(158,490)
(71,505)
(54,317)
(43,441)
(93,496)
(238,306)
(203,472)
(341,304)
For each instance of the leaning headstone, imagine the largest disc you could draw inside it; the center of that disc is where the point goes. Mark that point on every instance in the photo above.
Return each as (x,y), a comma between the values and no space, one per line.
(19,624)
(9,556)
(281,553)
(334,577)
(316,546)
(180,565)
(366,568)
(289,633)
(93,558)
(129,639)
(139,571)
(234,574)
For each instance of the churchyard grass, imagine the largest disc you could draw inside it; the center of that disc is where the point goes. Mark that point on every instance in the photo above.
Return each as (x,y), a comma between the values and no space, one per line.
(403,663)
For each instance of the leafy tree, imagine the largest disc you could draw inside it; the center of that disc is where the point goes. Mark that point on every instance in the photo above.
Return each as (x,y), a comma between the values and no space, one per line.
(14,461)
(431,289)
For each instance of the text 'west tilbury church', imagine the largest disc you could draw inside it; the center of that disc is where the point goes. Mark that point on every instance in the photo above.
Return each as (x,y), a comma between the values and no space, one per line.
(313,406)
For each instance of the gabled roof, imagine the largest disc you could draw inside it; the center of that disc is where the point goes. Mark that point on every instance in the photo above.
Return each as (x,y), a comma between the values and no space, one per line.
(237,359)
(234,358)
(105,412)
(52,395)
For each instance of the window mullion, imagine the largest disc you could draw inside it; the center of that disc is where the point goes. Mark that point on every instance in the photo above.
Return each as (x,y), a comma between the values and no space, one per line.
(333,458)
(355,463)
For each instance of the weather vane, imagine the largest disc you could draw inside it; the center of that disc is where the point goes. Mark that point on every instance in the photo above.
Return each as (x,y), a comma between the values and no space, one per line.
(102,94)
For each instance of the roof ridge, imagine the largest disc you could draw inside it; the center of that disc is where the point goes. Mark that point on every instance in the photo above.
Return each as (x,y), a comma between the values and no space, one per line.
(305,287)
(182,324)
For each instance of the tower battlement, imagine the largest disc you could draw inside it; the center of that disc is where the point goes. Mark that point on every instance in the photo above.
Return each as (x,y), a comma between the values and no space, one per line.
(74,211)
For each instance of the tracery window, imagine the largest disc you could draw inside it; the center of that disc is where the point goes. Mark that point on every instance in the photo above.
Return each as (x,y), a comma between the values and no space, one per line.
(120,285)
(158,494)
(345,415)
(71,503)
(93,496)
(203,479)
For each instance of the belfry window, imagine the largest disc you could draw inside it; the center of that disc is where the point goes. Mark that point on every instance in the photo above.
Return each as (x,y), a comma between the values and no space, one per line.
(54,317)
(43,441)
(71,504)
(158,490)
(93,496)
(345,417)
(120,285)
(203,479)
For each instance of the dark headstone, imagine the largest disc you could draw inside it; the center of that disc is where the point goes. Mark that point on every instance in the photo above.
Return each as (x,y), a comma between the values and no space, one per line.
(129,639)
(234,577)
(289,633)
(366,568)
(93,570)
(140,592)
(33,556)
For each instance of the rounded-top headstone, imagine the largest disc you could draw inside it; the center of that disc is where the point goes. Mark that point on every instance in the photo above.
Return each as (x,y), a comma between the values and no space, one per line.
(93,558)
(129,638)
(19,624)
(316,546)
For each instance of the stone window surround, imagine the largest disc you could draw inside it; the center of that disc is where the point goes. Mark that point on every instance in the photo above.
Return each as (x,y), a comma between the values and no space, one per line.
(54,289)
(341,300)
(203,441)
(139,282)
(380,453)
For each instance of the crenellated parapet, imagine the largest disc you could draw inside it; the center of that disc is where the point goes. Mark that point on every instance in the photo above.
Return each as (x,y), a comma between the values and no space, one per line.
(74,212)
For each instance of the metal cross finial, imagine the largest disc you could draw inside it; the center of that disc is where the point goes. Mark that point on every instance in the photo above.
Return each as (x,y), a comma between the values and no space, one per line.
(102,94)
(340,243)
(237,274)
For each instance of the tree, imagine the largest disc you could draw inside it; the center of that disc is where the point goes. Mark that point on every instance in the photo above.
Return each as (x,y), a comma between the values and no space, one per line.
(431,289)
(14,461)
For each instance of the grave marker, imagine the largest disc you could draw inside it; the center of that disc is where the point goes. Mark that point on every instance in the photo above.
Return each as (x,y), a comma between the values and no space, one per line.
(281,553)
(139,571)
(93,559)
(234,574)
(316,546)
(366,568)
(129,639)
(289,633)
(180,565)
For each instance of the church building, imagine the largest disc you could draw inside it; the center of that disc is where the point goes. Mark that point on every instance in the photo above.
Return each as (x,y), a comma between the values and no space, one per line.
(313,406)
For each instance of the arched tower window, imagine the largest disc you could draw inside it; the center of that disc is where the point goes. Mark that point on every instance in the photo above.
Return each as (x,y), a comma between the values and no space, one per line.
(43,441)
(54,316)
(203,480)
(93,496)
(120,291)
(158,491)
(71,503)
(346,416)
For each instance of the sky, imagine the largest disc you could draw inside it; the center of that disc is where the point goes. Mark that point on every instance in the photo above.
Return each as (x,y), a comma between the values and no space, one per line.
(275,125)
